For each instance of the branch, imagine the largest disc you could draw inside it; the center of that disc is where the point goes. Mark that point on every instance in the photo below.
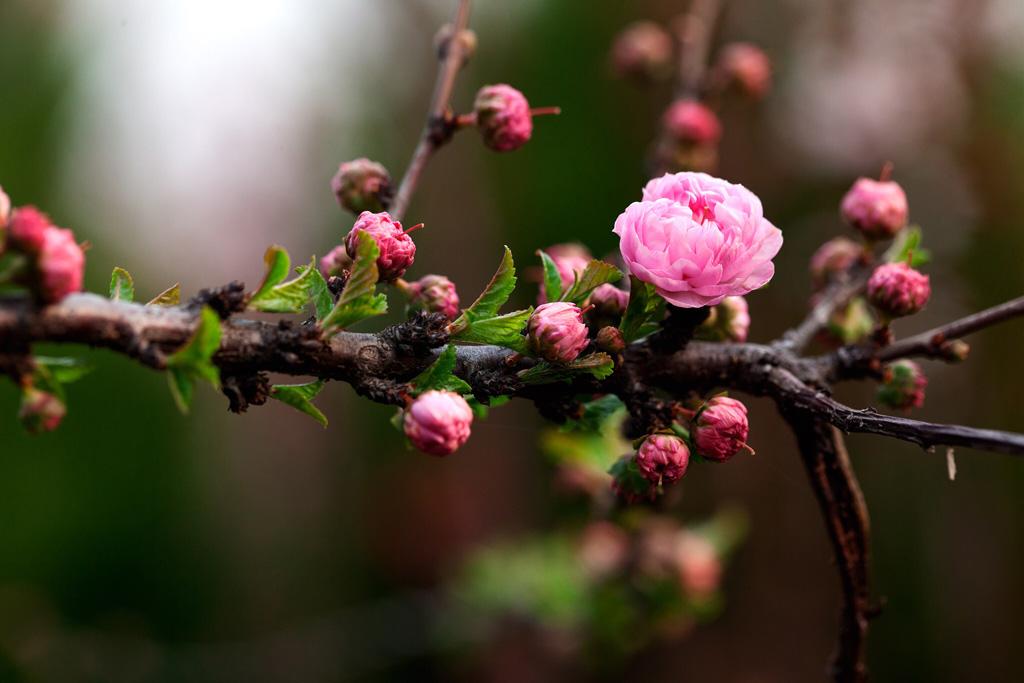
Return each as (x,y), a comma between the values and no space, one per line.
(835,295)
(694,35)
(438,128)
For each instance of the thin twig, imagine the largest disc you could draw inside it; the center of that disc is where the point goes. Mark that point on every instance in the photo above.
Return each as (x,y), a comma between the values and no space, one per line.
(836,295)
(432,138)
(694,33)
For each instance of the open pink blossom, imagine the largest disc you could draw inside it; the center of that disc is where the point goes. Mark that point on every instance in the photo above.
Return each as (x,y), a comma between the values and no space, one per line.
(698,239)
(438,422)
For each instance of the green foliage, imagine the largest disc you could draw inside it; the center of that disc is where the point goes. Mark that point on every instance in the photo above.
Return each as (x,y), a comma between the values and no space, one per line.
(599,364)
(317,290)
(168,297)
(299,396)
(596,273)
(51,374)
(908,242)
(276,296)
(596,414)
(277,263)
(495,294)
(626,471)
(193,360)
(359,300)
(439,375)
(644,304)
(481,324)
(121,286)
(552,278)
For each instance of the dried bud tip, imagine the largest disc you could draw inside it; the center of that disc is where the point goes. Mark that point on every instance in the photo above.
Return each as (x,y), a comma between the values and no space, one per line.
(467,43)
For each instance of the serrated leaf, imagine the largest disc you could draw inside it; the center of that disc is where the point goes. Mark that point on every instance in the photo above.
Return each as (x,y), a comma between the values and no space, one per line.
(503,330)
(552,278)
(596,413)
(494,295)
(600,365)
(65,370)
(907,241)
(277,264)
(439,376)
(121,286)
(299,396)
(289,297)
(644,303)
(318,291)
(193,360)
(169,297)
(358,300)
(596,273)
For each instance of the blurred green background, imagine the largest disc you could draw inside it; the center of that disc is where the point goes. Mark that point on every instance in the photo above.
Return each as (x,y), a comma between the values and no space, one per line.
(181,138)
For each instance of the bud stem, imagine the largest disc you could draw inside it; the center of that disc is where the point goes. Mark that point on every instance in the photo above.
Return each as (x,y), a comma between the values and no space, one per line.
(541,111)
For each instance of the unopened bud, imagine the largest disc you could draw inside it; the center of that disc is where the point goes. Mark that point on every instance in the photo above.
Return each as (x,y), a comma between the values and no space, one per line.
(556,332)
(571,260)
(434,294)
(878,209)
(903,386)
(610,339)
(336,262)
(397,250)
(849,324)
(628,484)
(467,42)
(728,321)
(27,229)
(896,290)
(691,122)
(642,51)
(603,549)
(40,411)
(503,117)
(363,185)
(833,259)
(61,265)
(720,428)
(5,212)
(438,422)
(662,458)
(746,65)
(955,351)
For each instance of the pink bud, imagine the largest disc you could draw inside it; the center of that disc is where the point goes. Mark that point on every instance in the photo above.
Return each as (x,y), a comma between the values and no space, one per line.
(903,386)
(848,324)
(336,262)
(896,289)
(397,250)
(643,50)
(438,422)
(27,229)
(720,428)
(609,301)
(728,321)
(503,117)
(690,121)
(603,549)
(570,260)
(363,185)
(698,564)
(556,332)
(610,339)
(434,294)
(40,411)
(746,65)
(662,458)
(834,258)
(61,265)
(877,208)
(5,211)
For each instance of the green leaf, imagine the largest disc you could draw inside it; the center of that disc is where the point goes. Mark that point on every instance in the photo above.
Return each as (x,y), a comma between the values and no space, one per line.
(596,413)
(358,300)
(596,273)
(494,295)
(644,303)
(193,360)
(277,266)
(503,330)
(299,396)
(907,241)
(121,286)
(600,365)
(168,297)
(318,292)
(552,278)
(290,297)
(439,376)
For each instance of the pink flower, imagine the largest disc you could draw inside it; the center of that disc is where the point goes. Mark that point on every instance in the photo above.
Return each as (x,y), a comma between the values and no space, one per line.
(503,117)
(832,259)
(434,294)
(438,422)
(5,210)
(570,260)
(27,230)
(896,289)
(720,428)
(746,65)
(642,50)
(692,122)
(903,386)
(61,265)
(877,208)
(662,458)
(40,411)
(729,321)
(397,250)
(609,300)
(698,239)
(363,185)
(556,332)
(336,262)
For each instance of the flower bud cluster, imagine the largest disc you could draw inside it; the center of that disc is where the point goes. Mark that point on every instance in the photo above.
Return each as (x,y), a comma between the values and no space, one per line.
(48,260)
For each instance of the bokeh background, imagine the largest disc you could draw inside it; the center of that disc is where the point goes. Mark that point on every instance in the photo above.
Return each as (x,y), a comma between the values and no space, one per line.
(181,137)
